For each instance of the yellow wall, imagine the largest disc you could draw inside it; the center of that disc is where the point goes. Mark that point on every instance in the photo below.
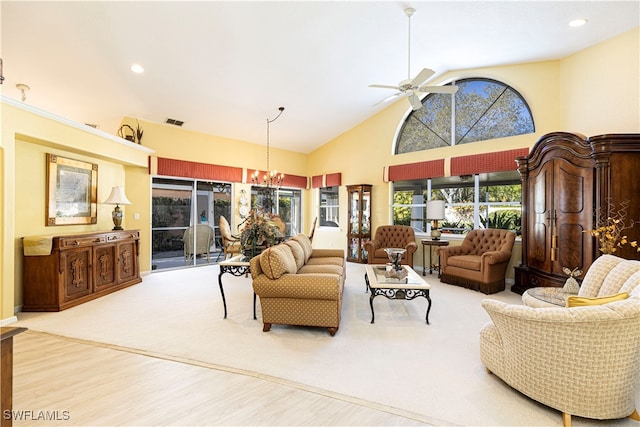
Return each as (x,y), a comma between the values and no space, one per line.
(592,92)
(27,135)
(600,87)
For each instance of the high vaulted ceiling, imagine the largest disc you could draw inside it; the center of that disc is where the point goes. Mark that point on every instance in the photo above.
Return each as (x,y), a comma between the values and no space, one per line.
(225,67)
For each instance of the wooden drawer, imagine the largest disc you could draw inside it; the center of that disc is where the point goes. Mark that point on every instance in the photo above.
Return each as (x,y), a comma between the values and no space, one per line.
(79,241)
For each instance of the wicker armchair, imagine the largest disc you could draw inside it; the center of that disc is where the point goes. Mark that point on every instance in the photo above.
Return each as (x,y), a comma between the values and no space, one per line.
(204,241)
(391,236)
(480,262)
(582,361)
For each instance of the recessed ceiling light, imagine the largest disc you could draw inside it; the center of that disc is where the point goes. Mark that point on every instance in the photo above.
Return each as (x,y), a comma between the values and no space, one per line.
(137,68)
(577,22)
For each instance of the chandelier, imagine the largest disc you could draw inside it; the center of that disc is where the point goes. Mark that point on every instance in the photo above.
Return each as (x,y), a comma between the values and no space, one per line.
(271,180)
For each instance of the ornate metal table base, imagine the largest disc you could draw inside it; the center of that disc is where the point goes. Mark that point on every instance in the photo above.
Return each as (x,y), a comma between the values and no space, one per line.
(397,292)
(234,270)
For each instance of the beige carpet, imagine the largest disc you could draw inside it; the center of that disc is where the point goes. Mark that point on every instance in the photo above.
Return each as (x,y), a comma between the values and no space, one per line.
(433,370)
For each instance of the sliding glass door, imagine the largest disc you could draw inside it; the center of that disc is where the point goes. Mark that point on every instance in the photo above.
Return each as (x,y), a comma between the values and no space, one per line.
(184,218)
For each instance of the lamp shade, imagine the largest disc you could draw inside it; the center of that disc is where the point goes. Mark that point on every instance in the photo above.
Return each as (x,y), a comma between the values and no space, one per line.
(117,197)
(435,210)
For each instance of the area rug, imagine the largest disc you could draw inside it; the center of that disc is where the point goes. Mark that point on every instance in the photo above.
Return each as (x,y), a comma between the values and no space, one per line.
(433,371)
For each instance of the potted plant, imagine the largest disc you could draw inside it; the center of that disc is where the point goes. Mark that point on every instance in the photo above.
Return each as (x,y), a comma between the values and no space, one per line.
(258,231)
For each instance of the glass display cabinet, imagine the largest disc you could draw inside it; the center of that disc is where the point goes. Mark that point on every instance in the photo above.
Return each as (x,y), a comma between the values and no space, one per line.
(359,228)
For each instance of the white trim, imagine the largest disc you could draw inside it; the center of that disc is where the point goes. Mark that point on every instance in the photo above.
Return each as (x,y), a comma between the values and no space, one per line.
(73,124)
(10,320)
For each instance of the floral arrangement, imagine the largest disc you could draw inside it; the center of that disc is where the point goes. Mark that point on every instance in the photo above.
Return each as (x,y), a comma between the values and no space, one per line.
(259,230)
(610,234)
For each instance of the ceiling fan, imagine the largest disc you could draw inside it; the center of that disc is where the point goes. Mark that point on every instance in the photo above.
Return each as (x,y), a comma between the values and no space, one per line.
(412,87)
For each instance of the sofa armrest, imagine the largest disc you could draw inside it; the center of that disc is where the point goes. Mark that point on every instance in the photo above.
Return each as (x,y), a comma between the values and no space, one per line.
(496,257)
(300,286)
(319,253)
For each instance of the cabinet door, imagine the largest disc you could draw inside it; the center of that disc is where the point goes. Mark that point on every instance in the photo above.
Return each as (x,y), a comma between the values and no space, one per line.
(540,208)
(126,262)
(76,276)
(104,266)
(573,197)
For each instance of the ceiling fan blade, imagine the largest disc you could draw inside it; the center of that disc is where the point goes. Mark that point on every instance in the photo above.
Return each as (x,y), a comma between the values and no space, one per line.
(422,77)
(438,89)
(384,86)
(415,102)
(388,98)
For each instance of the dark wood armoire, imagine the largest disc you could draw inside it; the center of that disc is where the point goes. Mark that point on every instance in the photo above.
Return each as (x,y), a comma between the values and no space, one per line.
(569,182)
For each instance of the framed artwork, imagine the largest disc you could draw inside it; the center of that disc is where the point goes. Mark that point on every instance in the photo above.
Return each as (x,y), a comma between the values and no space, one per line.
(72,191)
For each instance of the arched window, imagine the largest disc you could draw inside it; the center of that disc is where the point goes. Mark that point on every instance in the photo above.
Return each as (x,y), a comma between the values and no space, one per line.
(481,109)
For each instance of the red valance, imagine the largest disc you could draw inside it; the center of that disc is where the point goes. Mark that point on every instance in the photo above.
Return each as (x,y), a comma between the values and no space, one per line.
(183,168)
(328,180)
(421,170)
(291,181)
(488,162)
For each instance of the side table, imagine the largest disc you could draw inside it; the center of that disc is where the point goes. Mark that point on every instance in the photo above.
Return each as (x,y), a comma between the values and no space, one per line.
(236,266)
(431,243)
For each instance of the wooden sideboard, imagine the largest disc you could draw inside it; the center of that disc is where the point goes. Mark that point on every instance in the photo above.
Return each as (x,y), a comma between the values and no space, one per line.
(81,268)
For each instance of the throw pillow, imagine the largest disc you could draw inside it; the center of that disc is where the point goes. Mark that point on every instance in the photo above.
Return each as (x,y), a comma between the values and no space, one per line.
(576,301)
(306,245)
(297,251)
(277,261)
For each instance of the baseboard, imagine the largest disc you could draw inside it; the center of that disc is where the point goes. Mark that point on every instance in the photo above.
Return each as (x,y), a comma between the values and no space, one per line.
(10,320)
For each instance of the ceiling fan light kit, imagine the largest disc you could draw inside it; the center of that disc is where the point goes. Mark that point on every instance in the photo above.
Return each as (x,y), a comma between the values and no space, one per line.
(412,87)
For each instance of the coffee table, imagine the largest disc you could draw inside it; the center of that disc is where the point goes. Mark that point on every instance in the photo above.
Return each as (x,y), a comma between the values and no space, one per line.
(411,287)
(236,266)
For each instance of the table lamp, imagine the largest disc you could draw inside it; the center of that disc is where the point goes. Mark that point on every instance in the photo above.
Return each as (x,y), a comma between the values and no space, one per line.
(435,212)
(117,197)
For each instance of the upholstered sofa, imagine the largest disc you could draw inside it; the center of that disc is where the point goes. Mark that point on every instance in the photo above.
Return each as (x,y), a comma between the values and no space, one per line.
(480,262)
(582,361)
(391,236)
(608,275)
(299,285)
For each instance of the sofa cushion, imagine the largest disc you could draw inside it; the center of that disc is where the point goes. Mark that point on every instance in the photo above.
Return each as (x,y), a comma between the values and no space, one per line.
(277,261)
(313,269)
(576,301)
(306,245)
(468,262)
(617,277)
(297,251)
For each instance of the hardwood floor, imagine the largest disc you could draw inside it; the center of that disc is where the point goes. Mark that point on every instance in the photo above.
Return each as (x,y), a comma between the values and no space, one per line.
(68,382)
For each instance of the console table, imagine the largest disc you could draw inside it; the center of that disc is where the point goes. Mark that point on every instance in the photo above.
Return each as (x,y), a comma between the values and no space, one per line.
(237,266)
(73,269)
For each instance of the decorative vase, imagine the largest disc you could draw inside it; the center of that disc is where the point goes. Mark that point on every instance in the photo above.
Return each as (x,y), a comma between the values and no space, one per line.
(250,251)
(395,256)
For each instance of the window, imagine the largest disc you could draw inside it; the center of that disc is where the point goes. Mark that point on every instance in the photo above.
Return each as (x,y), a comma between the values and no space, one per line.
(481,109)
(329,206)
(488,200)
(288,206)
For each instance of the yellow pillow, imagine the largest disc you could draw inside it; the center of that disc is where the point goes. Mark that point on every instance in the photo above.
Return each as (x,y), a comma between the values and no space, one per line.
(575,301)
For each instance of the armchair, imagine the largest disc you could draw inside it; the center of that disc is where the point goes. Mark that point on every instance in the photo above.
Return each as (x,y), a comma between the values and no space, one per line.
(204,241)
(391,236)
(480,262)
(582,361)
(230,244)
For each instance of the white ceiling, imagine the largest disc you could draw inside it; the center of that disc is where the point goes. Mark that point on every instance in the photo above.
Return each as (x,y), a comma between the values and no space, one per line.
(225,67)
